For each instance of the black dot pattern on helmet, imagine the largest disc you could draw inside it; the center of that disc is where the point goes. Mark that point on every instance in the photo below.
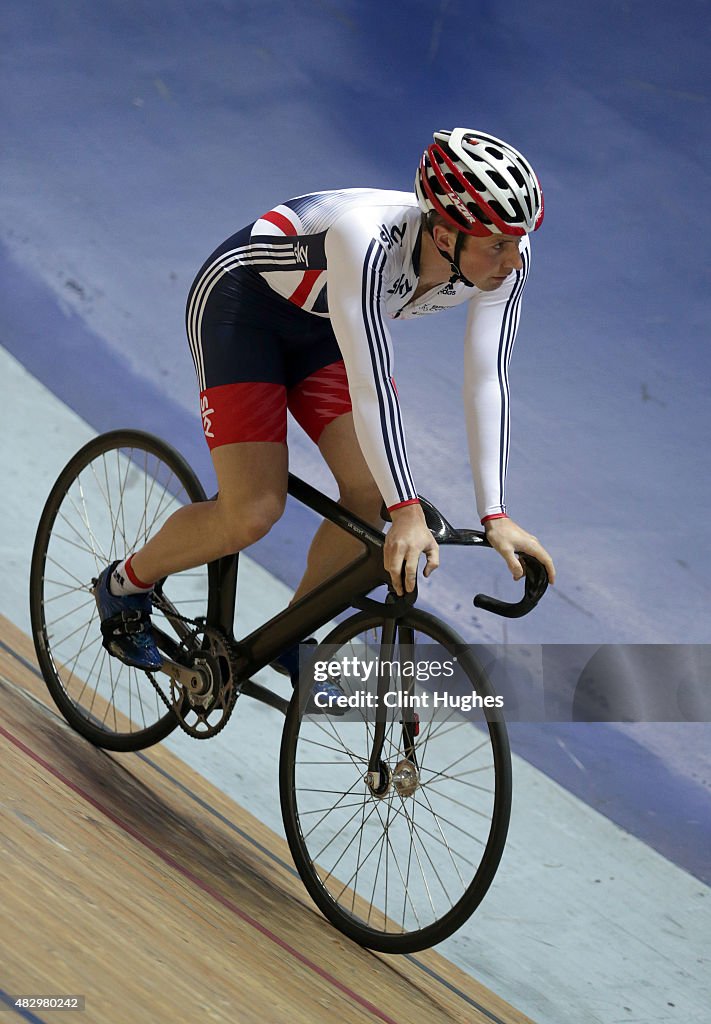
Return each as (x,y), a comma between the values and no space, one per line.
(498,179)
(504,214)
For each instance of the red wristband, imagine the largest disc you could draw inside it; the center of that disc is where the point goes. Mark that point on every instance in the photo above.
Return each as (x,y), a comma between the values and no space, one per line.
(402,504)
(494,515)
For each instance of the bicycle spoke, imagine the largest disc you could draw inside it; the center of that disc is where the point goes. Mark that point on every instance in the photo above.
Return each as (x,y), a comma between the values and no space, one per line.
(399,861)
(330,873)
(444,839)
(81,583)
(345,750)
(113,497)
(329,808)
(74,610)
(330,811)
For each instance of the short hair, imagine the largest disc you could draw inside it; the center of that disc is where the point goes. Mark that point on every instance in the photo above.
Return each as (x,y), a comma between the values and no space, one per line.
(432,218)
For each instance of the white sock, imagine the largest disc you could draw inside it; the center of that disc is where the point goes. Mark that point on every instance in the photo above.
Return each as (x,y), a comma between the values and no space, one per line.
(124,581)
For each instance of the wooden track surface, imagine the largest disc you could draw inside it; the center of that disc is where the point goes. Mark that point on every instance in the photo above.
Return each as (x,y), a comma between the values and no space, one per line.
(131,880)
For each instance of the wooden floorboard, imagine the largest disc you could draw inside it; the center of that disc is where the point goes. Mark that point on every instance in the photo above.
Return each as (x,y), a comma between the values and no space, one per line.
(130,879)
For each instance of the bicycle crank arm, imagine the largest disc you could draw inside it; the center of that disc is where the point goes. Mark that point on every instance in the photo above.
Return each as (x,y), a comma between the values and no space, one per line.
(196,681)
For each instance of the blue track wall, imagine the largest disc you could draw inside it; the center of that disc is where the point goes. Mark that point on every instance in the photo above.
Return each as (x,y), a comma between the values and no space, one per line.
(137,135)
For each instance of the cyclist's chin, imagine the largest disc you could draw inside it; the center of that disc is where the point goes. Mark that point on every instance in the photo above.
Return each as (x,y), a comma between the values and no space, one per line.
(492,283)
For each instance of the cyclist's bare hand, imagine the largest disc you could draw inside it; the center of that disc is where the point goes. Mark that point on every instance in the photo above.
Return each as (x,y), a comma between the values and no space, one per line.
(407,539)
(507,537)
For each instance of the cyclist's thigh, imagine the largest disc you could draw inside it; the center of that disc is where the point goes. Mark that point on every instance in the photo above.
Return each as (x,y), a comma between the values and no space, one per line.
(316,380)
(321,403)
(319,398)
(358,490)
(340,448)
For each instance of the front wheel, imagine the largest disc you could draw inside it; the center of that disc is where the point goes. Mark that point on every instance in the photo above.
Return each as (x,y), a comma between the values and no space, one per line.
(110,498)
(401,865)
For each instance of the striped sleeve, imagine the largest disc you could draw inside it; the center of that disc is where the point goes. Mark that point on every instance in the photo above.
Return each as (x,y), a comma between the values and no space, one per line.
(491,331)
(356,263)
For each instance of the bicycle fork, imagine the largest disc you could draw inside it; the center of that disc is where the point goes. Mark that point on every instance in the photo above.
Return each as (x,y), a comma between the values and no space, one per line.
(404,777)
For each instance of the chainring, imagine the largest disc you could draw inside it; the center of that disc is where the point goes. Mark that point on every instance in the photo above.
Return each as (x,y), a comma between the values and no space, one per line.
(205,715)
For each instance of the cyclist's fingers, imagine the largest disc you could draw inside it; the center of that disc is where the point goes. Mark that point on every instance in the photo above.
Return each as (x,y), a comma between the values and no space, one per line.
(539,552)
(515,564)
(402,561)
(547,562)
(410,569)
(511,558)
(394,564)
(545,559)
(396,579)
(432,555)
(404,570)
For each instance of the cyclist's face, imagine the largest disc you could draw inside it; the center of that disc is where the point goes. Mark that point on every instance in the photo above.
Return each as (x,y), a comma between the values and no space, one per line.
(487,262)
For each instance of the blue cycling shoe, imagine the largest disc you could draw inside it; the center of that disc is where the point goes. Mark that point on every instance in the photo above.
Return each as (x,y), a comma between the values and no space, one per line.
(329,690)
(126,625)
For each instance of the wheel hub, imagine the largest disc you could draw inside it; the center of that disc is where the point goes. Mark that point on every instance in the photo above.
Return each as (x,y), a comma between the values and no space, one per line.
(406,778)
(379,782)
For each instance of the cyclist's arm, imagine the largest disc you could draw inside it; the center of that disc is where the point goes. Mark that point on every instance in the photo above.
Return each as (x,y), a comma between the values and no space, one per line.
(356,267)
(491,331)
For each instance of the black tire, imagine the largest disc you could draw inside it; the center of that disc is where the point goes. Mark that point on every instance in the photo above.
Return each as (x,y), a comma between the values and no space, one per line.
(350,845)
(108,500)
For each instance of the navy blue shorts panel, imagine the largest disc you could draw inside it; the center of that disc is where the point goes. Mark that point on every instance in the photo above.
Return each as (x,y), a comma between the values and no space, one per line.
(240,330)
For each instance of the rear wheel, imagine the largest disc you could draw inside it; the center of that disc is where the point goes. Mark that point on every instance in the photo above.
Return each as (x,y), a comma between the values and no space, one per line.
(400,866)
(112,496)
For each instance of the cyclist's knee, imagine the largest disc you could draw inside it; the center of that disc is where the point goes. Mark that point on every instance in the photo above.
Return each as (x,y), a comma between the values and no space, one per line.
(243,526)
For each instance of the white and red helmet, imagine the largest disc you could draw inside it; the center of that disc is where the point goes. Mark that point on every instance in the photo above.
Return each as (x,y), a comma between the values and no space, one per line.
(479,184)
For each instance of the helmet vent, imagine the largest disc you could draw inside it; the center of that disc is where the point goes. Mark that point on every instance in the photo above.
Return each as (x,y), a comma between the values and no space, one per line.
(480,184)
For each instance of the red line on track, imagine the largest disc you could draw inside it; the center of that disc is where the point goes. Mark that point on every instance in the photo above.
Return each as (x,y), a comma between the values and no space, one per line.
(167,859)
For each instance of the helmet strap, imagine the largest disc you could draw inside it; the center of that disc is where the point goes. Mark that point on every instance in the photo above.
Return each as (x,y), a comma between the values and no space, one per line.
(453,261)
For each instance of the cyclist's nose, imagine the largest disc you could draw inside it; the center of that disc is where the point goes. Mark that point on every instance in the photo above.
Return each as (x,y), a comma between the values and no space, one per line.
(513,261)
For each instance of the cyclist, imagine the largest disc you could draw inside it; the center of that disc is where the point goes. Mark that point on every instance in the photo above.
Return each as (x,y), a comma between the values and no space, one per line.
(290,312)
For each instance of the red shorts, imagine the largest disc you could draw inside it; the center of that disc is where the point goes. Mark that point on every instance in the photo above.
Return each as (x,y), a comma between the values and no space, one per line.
(256,411)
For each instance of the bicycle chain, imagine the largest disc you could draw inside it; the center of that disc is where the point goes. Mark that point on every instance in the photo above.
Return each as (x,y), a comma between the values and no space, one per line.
(215,636)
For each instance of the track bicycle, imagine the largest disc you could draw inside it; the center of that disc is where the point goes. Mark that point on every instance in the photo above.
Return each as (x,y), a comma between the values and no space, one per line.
(396,825)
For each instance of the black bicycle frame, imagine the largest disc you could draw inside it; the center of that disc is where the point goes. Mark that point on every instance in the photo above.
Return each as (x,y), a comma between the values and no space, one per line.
(346,589)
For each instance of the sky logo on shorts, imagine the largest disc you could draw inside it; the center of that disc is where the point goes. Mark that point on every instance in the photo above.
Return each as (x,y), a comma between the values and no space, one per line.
(206,412)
